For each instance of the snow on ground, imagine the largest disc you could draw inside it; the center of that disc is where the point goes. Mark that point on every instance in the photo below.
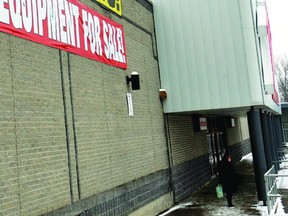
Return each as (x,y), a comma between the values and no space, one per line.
(278,210)
(282,183)
(183,205)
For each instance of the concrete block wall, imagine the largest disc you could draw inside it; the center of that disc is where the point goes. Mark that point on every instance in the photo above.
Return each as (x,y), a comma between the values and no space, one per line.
(238,139)
(33,149)
(238,133)
(240,149)
(189,176)
(189,152)
(68,145)
(185,143)
(9,187)
(234,135)
(67,141)
(124,199)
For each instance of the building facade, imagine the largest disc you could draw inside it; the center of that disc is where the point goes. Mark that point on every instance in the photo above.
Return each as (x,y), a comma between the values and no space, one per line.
(69,143)
(77,138)
(216,67)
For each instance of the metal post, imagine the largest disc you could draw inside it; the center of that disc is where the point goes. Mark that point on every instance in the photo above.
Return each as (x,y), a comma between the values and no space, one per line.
(272,142)
(281,127)
(266,139)
(267,186)
(257,144)
(275,140)
(279,135)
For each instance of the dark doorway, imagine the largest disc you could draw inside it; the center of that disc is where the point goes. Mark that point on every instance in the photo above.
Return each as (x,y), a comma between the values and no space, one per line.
(217,141)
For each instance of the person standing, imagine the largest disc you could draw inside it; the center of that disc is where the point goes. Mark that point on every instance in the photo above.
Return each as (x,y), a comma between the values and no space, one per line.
(227,178)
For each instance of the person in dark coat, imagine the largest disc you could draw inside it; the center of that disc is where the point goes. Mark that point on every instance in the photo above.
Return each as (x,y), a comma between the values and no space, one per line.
(227,178)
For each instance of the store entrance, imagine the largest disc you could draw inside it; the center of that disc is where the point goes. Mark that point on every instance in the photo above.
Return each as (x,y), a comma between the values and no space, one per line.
(216,142)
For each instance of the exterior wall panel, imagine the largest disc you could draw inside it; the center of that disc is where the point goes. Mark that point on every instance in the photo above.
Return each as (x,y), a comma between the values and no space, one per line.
(9,186)
(189,152)
(234,134)
(185,143)
(239,150)
(189,176)
(209,55)
(38,162)
(66,135)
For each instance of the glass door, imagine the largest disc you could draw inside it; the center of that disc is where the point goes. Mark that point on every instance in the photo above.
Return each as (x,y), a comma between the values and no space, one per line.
(215,149)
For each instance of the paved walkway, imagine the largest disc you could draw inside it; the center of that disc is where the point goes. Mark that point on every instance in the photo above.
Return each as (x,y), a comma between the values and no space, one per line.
(204,202)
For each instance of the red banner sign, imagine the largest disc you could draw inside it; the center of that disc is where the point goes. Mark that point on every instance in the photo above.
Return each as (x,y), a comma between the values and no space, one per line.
(275,95)
(67,25)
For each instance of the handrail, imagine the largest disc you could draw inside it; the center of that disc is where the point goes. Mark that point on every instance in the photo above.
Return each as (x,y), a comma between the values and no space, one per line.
(270,178)
(271,187)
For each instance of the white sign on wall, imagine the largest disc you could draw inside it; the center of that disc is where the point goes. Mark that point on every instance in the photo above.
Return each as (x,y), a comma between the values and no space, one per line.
(203,123)
(130,104)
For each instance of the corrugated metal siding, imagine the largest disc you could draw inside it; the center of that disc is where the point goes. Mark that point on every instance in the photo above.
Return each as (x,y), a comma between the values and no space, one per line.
(203,54)
(185,143)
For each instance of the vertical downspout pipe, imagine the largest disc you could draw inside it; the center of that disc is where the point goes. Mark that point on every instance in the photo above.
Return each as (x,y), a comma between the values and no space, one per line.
(170,159)
(74,127)
(66,126)
(257,145)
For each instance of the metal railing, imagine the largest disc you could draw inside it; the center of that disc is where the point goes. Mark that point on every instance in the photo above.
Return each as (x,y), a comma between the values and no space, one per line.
(271,187)
(270,178)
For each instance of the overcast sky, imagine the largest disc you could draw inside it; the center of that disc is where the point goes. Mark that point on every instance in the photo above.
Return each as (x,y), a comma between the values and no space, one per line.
(278,16)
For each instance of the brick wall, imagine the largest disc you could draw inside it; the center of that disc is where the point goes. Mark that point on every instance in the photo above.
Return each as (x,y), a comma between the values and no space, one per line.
(189,176)
(65,131)
(33,148)
(239,139)
(240,149)
(238,133)
(234,134)
(189,152)
(185,143)
(9,187)
(121,200)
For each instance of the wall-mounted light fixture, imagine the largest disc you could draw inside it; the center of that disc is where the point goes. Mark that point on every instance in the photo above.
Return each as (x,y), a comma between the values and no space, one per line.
(162,94)
(134,79)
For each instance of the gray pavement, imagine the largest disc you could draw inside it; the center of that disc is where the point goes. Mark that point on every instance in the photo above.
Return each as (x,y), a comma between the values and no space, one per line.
(204,202)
